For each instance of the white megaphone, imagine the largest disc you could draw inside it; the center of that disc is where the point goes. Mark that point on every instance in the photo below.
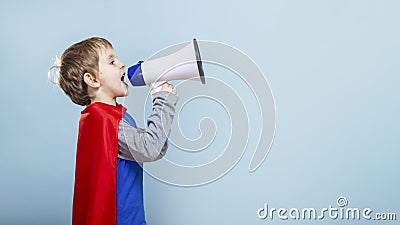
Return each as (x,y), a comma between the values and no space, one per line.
(182,65)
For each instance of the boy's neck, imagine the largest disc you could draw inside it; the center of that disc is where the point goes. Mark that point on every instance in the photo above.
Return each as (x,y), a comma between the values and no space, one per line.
(109,101)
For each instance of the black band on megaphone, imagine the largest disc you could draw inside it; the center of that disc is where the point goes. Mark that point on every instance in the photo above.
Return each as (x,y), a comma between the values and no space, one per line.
(199,63)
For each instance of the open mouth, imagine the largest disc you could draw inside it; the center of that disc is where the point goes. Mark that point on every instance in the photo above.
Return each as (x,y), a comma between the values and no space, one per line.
(122,77)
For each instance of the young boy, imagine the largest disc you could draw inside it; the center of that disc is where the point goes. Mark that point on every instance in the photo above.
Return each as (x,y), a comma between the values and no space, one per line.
(108,175)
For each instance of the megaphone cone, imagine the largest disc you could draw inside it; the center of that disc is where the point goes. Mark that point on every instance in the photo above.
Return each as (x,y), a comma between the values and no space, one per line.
(182,65)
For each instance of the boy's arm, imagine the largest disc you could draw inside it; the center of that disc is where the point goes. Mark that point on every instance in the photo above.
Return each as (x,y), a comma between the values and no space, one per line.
(150,144)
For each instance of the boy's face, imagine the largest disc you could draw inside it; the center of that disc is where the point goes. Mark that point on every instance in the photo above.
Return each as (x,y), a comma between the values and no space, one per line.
(111,74)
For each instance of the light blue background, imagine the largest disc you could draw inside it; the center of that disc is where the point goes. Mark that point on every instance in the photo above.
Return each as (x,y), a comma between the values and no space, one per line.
(333,67)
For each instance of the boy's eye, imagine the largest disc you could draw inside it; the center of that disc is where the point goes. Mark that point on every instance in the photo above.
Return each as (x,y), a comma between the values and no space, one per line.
(112,62)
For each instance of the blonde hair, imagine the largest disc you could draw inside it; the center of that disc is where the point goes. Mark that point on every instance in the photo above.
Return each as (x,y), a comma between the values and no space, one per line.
(75,61)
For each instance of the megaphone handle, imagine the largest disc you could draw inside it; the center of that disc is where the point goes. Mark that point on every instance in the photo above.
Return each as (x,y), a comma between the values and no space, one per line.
(157,84)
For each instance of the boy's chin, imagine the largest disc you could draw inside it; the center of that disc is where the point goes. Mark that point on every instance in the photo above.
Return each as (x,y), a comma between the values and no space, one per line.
(125,93)
(122,94)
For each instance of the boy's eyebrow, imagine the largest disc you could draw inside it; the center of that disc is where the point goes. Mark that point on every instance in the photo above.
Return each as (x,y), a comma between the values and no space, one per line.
(111,56)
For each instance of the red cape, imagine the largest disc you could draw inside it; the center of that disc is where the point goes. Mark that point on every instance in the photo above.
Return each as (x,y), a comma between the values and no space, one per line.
(96,165)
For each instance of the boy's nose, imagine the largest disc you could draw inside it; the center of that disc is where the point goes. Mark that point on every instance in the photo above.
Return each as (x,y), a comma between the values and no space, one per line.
(122,65)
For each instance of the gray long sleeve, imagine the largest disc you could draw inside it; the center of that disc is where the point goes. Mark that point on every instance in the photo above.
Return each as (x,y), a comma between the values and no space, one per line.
(150,144)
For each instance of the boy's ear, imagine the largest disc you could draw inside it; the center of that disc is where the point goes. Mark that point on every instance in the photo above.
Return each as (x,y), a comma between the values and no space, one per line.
(91,80)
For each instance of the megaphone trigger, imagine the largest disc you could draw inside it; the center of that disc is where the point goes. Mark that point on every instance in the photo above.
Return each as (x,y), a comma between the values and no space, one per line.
(156,85)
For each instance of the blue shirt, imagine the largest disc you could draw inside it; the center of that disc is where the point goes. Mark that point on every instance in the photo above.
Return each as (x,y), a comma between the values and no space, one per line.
(130,207)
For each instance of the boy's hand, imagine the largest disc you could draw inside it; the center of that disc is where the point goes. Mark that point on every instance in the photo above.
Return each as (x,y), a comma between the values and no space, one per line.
(165,87)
